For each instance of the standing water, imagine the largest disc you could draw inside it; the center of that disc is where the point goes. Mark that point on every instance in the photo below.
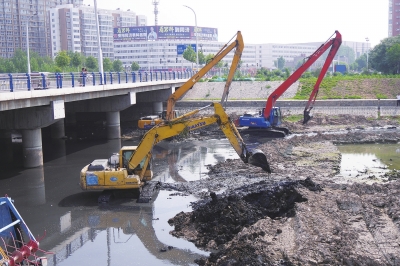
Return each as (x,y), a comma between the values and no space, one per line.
(79,232)
(368,162)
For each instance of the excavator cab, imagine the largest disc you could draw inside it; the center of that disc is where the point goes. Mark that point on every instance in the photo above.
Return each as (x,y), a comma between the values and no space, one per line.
(275,117)
(126,153)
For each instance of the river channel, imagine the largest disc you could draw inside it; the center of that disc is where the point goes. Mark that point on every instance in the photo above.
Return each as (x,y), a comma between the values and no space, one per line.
(79,232)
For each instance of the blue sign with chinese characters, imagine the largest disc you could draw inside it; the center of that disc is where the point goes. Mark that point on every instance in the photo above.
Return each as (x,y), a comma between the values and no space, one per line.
(180,48)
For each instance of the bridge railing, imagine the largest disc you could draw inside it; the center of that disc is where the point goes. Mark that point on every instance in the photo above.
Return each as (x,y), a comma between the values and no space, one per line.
(44,80)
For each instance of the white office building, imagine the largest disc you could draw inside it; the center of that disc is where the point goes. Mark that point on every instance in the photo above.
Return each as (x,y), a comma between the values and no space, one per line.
(73,28)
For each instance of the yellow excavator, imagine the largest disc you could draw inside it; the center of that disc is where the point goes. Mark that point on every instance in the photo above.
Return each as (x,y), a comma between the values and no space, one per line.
(238,44)
(131,168)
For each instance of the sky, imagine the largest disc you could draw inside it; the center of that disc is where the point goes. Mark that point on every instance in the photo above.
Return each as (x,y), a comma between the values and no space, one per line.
(270,21)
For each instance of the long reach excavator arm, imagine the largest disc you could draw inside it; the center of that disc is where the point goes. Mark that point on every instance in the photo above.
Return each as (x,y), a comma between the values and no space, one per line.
(334,43)
(238,44)
(184,124)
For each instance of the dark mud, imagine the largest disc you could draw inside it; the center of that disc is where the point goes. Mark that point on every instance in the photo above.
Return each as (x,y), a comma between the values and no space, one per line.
(301,214)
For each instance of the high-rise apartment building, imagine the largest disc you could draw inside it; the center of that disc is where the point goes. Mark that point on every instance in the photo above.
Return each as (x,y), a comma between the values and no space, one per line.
(390,23)
(14,15)
(73,28)
(394,18)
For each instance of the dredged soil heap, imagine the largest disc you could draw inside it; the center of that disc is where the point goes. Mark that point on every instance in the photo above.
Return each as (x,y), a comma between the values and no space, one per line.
(302,214)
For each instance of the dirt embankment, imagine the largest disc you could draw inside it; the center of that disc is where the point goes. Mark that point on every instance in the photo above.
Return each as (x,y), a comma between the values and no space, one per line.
(245,90)
(301,214)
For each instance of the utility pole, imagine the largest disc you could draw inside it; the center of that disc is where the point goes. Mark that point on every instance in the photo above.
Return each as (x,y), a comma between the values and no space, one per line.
(27,43)
(98,40)
(367,39)
(196,33)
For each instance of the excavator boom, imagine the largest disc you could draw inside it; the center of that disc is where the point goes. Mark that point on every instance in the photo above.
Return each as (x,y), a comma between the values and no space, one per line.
(184,124)
(335,43)
(238,44)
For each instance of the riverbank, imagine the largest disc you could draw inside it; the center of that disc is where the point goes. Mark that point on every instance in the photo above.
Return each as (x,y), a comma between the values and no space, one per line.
(304,213)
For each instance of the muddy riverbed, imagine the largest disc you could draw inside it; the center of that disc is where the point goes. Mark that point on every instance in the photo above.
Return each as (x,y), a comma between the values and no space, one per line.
(304,212)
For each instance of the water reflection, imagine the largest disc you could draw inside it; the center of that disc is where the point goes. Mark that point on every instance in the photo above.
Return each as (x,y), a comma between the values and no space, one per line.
(189,161)
(79,232)
(367,160)
(119,235)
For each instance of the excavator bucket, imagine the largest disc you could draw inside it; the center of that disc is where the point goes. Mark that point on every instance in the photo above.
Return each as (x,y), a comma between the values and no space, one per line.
(258,158)
(307,117)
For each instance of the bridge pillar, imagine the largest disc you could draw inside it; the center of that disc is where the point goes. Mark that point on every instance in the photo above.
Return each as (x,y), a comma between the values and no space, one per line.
(32,148)
(58,129)
(157,107)
(113,125)
(7,154)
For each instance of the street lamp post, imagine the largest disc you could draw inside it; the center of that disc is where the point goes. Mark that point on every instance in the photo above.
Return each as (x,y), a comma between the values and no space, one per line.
(27,43)
(367,39)
(195,31)
(98,39)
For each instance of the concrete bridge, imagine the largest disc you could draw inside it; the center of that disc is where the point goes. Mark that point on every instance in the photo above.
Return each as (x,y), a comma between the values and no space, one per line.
(30,103)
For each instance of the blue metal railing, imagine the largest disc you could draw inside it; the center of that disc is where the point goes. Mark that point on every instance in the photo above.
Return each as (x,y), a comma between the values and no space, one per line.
(44,80)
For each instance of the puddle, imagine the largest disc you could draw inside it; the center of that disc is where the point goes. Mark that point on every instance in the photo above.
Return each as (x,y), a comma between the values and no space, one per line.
(368,162)
(187,164)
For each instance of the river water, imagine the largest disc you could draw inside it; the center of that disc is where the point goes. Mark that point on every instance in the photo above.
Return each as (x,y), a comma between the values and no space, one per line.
(79,232)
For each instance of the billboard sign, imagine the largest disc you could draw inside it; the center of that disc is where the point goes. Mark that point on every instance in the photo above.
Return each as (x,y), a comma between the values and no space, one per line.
(130,34)
(161,32)
(180,48)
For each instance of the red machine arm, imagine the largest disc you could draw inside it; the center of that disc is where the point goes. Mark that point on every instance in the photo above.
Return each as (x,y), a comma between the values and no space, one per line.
(335,43)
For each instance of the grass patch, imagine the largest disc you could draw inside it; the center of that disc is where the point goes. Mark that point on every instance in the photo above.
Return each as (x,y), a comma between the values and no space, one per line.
(381,96)
(293,118)
(352,97)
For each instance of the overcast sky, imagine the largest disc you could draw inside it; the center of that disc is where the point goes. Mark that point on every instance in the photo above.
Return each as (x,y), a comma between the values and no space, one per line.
(270,21)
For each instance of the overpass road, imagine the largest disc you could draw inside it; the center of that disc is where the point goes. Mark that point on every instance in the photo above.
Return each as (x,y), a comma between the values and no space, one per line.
(30,103)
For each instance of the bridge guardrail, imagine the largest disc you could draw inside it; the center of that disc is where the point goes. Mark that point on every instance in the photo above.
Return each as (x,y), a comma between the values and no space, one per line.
(12,82)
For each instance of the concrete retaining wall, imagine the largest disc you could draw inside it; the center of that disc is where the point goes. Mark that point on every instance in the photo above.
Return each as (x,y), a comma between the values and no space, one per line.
(369,108)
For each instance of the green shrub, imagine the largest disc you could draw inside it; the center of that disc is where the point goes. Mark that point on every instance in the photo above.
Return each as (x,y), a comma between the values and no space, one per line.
(381,96)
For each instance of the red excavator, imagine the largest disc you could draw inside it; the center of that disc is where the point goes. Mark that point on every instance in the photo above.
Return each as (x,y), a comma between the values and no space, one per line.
(270,117)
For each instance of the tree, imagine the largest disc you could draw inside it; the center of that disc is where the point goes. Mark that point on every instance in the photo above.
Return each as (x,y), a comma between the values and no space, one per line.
(209,57)
(9,67)
(107,65)
(62,59)
(91,63)
(346,52)
(135,66)
(280,63)
(20,61)
(393,55)
(379,58)
(189,54)
(34,64)
(76,60)
(361,62)
(202,58)
(117,65)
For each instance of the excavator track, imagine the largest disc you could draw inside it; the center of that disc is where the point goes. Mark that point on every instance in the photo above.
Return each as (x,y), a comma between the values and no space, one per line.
(263,132)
